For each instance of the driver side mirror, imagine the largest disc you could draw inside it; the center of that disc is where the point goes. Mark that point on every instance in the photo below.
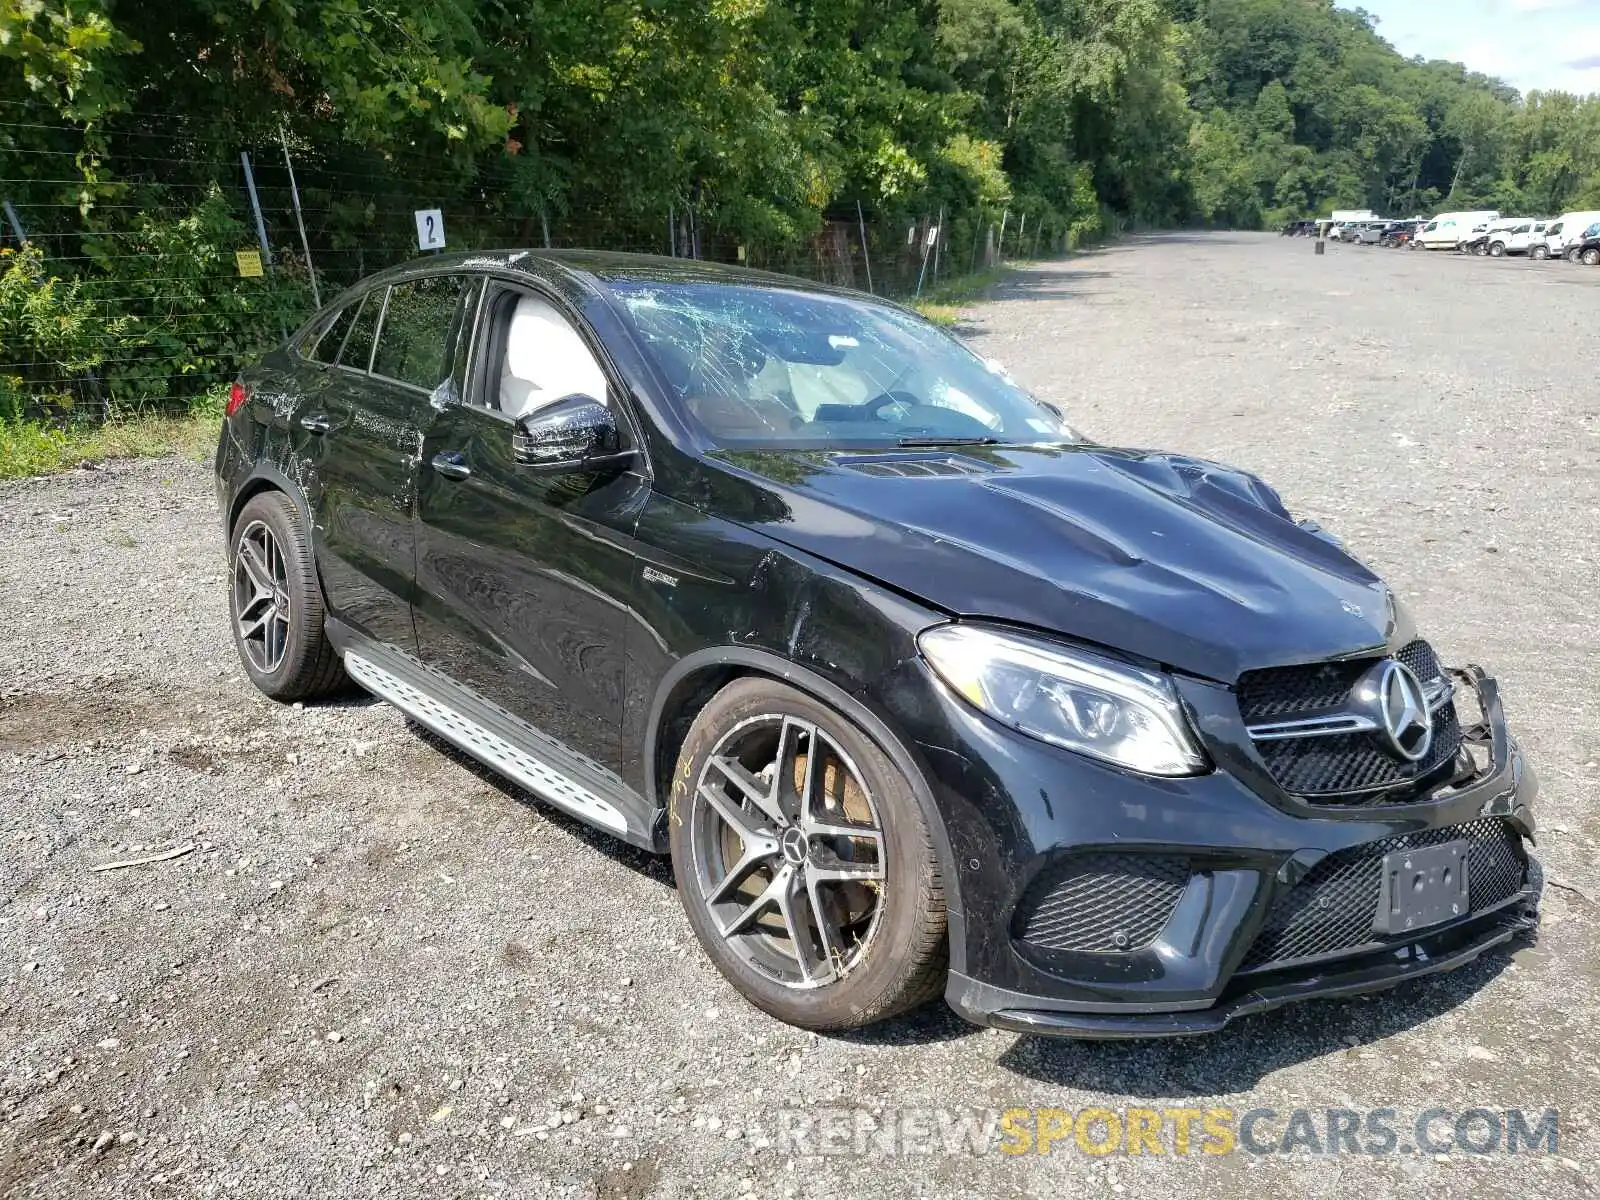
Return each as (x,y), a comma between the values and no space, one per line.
(576,434)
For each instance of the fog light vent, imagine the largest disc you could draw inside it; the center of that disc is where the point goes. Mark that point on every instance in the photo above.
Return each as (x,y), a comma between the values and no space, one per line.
(1102,903)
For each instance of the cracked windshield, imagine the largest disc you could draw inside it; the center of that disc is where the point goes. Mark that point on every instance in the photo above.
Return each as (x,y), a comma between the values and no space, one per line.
(768,367)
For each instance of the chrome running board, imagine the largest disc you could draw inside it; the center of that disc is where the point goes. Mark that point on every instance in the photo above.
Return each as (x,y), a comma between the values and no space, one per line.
(541,764)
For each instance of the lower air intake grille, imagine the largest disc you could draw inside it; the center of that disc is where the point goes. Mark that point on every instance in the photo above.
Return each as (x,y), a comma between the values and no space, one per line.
(1102,903)
(1331,910)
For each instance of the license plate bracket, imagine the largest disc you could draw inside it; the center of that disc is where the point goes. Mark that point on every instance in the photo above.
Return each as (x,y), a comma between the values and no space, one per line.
(1423,886)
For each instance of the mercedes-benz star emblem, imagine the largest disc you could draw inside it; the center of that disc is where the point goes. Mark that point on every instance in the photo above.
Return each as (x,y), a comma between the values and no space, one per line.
(1403,711)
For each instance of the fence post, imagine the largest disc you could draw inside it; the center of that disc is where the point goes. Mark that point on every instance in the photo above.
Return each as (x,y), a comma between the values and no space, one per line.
(1022,232)
(1005,214)
(922,243)
(544,227)
(16,225)
(977,236)
(672,232)
(255,205)
(299,217)
(866,255)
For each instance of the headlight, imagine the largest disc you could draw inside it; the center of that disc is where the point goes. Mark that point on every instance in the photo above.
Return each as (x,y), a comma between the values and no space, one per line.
(1084,702)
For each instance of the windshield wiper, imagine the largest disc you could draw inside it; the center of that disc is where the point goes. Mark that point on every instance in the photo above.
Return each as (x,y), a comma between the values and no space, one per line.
(947,440)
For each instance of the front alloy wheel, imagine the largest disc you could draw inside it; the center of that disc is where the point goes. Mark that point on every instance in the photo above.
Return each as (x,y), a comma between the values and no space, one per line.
(805,861)
(788,851)
(1591,258)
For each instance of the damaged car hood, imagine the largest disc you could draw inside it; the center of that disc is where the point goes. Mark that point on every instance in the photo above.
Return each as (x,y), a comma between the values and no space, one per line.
(1177,560)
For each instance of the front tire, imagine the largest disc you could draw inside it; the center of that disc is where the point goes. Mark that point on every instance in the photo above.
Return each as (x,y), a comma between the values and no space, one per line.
(1539,253)
(275,603)
(805,862)
(1498,250)
(1591,258)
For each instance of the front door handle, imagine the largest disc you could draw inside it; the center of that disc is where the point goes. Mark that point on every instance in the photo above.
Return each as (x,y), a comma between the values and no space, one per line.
(316,423)
(452,464)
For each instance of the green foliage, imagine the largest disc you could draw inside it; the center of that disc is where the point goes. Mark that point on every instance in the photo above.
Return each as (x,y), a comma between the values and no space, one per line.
(31,447)
(760,127)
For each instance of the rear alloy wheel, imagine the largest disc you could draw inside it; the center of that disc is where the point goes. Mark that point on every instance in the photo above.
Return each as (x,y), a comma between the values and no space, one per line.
(1591,258)
(275,601)
(804,861)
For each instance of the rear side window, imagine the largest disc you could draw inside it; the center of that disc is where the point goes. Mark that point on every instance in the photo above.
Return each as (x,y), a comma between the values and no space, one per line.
(358,348)
(325,347)
(414,340)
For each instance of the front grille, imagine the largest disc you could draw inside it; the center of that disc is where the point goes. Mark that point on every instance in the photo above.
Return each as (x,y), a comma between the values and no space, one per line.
(1342,763)
(1341,767)
(1102,903)
(1332,910)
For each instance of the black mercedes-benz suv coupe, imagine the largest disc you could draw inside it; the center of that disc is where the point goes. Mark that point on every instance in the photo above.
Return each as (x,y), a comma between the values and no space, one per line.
(921,690)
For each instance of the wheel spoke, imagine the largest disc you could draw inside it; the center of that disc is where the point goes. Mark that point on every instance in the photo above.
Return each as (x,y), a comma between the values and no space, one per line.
(255,567)
(277,639)
(827,867)
(248,630)
(763,796)
(834,829)
(249,613)
(791,800)
(736,817)
(793,902)
(737,874)
(828,932)
(768,897)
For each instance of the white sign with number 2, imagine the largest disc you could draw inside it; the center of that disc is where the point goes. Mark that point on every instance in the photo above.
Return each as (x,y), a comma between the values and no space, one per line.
(430,229)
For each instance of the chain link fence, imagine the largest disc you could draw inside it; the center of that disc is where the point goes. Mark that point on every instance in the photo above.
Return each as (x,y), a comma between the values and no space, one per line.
(141,265)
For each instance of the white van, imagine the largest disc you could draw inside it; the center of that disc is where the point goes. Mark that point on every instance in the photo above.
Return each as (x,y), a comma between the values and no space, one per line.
(1447,229)
(1565,229)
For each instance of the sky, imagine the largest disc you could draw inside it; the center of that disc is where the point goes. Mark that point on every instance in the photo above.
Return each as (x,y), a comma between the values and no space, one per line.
(1543,44)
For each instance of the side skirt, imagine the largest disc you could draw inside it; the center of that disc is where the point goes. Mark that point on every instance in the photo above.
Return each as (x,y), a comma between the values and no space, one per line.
(548,768)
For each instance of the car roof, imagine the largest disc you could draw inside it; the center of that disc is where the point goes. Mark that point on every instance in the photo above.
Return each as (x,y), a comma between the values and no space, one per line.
(607,266)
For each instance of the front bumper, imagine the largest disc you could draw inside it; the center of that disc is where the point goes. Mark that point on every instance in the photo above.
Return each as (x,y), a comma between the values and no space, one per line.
(1017,810)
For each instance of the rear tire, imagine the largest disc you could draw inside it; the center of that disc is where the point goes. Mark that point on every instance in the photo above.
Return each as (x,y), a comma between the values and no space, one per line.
(275,604)
(1591,258)
(804,861)
(1498,250)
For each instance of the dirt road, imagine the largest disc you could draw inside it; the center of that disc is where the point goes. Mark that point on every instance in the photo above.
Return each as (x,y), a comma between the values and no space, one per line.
(380,972)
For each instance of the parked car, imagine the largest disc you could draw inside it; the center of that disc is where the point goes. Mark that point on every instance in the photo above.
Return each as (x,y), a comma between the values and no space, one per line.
(1512,237)
(1588,250)
(1299,229)
(1398,233)
(923,692)
(1447,230)
(1565,228)
(1575,247)
(1476,240)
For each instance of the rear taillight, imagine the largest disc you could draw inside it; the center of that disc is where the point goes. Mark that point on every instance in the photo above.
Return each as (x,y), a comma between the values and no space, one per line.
(237,395)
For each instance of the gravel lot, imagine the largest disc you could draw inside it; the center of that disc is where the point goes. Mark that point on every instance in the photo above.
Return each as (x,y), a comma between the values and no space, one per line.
(382,973)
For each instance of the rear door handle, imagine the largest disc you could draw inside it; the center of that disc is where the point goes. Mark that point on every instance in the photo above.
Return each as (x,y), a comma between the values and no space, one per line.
(452,464)
(316,423)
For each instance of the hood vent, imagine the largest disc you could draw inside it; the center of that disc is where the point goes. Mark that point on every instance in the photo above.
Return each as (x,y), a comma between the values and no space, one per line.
(905,465)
